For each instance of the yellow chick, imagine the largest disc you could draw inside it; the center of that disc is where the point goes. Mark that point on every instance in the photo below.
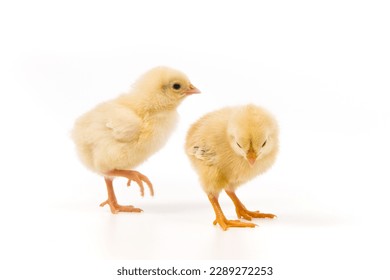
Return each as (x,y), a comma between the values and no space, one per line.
(118,135)
(229,147)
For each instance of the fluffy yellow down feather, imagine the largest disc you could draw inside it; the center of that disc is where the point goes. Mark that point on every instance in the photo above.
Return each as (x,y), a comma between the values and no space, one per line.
(118,135)
(229,147)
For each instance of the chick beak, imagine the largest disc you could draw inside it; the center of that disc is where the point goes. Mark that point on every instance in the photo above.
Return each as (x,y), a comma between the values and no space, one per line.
(251,157)
(192,89)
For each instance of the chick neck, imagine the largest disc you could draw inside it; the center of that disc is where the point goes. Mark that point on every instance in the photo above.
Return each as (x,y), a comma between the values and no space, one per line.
(145,104)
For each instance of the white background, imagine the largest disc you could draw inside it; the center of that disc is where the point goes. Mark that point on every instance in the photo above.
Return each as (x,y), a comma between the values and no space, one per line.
(321,67)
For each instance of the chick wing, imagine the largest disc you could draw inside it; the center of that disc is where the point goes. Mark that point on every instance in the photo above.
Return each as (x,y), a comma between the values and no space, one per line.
(204,152)
(125,125)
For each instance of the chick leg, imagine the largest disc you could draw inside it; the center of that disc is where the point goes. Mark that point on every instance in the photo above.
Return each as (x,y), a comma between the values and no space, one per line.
(112,202)
(221,219)
(242,212)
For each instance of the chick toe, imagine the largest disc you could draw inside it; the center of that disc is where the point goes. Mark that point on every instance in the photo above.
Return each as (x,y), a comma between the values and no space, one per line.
(225,223)
(136,176)
(244,213)
(248,215)
(116,208)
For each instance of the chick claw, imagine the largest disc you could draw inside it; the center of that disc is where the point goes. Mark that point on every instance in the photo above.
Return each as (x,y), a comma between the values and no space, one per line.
(225,224)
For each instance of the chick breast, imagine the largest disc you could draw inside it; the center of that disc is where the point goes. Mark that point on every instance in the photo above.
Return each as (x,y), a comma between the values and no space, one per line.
(210,152)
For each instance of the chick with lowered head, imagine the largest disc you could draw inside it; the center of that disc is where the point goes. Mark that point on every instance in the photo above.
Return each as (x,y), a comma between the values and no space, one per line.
(229,147)
(118,135)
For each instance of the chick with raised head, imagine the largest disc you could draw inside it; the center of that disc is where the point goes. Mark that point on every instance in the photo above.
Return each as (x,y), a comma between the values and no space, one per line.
(118,135)
(228,148)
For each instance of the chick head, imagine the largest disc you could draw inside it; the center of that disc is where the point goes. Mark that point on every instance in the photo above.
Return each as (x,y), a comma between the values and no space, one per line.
(252,133)
(166,86)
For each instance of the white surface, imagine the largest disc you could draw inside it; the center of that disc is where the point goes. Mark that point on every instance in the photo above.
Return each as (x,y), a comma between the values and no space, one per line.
(322,69)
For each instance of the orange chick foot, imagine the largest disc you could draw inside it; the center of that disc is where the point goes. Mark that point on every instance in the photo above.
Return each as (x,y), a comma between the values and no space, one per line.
(248,215)
(116,208)
(133,175)
(225,223)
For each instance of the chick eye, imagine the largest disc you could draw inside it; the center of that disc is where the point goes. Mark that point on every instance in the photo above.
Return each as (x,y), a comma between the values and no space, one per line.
(176,86)
(265,142)
(238,145)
